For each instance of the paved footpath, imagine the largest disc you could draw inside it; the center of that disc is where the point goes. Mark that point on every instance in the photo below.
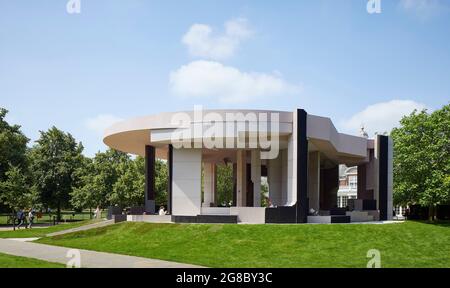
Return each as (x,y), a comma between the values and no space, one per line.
(98,224)
(83,228)
(88,259)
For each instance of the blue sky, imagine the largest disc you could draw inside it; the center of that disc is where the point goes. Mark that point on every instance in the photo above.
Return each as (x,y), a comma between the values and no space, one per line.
(119,59)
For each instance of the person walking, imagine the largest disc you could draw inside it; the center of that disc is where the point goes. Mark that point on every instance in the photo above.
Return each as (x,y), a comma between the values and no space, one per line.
(30,217)
(20,218)
(98,213)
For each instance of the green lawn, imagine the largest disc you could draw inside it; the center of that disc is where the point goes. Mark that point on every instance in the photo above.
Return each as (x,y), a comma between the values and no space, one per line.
(41,232)
(410,244)
(9,261)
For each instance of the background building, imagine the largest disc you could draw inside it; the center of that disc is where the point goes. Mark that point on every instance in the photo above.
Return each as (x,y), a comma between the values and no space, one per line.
(348,185)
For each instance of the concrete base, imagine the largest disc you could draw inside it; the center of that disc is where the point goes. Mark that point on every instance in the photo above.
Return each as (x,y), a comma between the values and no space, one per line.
(231,219)
(149,218)
(319,219)
(359,216)
(329,219)
(215,211)
(250,215)
(375,214)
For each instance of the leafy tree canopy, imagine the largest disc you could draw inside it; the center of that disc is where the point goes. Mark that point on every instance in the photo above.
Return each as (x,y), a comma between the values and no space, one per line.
(422,158)
(98,177)
(16,192)
(13,145)
(54,161)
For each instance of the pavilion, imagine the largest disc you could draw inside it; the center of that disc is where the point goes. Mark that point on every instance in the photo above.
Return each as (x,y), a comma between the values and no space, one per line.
(299,154)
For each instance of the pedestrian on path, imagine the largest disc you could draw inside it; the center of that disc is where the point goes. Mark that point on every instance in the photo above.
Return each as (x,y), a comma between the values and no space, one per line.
(98,213)
(20,218)
(30,217)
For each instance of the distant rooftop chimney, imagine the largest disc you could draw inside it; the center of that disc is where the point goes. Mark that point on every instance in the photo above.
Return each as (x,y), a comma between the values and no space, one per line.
(363,132)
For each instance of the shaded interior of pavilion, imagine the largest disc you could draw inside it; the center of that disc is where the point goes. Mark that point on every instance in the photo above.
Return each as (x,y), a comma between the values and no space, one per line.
(254,182)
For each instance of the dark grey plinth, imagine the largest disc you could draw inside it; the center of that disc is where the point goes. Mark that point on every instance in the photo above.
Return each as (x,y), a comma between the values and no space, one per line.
(137,210)
(150,206)
(113,210)
(119,218)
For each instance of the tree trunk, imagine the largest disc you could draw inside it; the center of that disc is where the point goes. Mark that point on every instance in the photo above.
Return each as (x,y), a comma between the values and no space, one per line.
(90,213)
(431,211)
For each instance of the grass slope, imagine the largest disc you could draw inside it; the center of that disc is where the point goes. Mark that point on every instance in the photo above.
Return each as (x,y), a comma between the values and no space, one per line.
(10,261)
(410,244)
(41,232)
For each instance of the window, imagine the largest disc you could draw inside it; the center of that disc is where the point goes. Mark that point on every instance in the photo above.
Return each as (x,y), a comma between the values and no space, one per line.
(353,182)
(399,211)
(344,201)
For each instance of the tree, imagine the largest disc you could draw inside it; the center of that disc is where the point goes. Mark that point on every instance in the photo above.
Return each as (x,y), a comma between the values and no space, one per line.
(13,145)
(264,194)
(161,179)
(106,169)
(161,182)
(54,160)
(422,159)
(98,178)
(114,178)
(85,193)
(224,184)
(16,192)
(129,188)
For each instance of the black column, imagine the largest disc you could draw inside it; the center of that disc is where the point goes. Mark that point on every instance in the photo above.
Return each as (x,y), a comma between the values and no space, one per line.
(302,167)
(362,186)
(170,168)
(383,176)
(150,179)
(234,185)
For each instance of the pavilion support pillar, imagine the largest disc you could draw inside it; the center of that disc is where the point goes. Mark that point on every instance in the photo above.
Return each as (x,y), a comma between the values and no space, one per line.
(149,179)
(215,198)
(275,179)
(234,185)
(209,178)
(314,180)
(362,183)
(170,184)
(256,177)
(300,169)
(384,155)
(241,181)
(187,182)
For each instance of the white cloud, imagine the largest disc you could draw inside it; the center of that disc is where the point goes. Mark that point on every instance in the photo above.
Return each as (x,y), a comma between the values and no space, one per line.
(202,42)
(101,122)
(423,9)
(380,117)
(209,79)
